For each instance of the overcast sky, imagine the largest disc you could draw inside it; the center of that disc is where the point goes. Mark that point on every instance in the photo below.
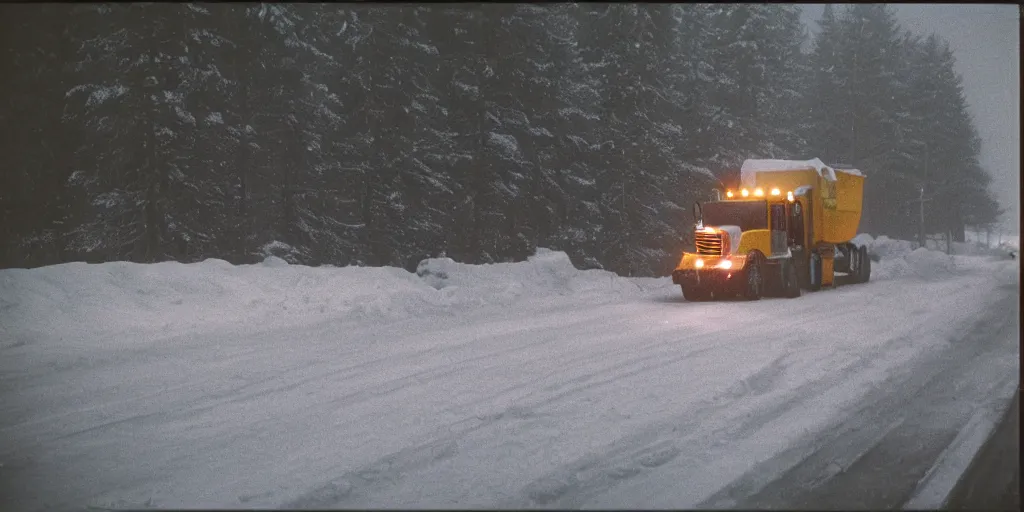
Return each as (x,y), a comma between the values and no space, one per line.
(986,40)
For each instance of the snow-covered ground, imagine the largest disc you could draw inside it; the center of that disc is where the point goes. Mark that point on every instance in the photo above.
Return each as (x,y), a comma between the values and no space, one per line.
(993,239)
(513,385)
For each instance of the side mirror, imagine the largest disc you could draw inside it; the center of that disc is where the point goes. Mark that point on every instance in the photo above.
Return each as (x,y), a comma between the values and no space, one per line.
(698,214)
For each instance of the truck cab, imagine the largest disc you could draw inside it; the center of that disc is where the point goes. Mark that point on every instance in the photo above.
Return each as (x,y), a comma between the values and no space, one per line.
(776,235)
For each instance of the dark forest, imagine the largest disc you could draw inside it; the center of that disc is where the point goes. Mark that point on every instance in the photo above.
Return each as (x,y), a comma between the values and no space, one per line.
(383,134)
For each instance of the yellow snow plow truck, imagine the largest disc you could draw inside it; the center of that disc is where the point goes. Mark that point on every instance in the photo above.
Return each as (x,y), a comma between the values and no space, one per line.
(787,228)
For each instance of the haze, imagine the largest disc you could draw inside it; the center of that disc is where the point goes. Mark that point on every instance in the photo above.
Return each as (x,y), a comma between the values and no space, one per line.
(987,45)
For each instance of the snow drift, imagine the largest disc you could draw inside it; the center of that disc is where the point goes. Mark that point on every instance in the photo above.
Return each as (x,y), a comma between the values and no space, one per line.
(70,299)
(894,259)
(67,299)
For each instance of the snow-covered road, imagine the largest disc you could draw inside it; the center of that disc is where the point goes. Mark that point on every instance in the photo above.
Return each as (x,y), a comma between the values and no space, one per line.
(588,391)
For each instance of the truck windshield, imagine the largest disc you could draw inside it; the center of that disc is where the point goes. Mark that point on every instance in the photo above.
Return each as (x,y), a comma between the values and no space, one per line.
(745,214)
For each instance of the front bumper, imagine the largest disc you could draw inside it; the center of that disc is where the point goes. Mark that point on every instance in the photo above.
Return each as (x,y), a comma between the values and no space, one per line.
(707,279)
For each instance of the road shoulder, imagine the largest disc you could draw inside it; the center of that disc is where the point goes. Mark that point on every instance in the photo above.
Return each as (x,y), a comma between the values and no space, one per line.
(992,480)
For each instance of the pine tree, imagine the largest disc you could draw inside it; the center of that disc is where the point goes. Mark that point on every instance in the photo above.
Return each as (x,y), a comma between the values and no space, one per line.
(266,160)
(825,135)
(396,185)
(857,61)
(582,139)
(35,205)
(523,97)
(134,95)
(957,147)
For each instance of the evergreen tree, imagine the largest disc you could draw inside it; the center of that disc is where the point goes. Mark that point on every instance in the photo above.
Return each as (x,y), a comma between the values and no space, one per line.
(459,35)
(856,63)
(35,205)
(942,141)
(581,135)
(142,161)
(824,133)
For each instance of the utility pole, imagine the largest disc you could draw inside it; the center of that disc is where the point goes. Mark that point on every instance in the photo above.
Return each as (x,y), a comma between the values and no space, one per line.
(920,201)
(920,217)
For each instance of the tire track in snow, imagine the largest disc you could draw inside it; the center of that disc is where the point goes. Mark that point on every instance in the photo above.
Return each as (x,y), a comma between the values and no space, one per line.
(648,456)
(652,456)
(185,406)
(334,492)
(374,475)
(634,366)
(572,485)
(710,341)
(824,469)
(591,355)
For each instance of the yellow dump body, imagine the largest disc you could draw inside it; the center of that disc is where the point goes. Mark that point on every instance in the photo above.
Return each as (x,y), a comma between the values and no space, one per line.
(837,205)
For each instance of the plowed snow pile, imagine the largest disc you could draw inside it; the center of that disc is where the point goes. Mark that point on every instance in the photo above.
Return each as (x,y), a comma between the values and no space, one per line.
(898,259)
(70,299)
(65,300)
(543,274)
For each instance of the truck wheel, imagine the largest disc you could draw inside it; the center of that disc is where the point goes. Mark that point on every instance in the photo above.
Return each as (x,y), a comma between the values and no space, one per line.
(754,277)
(790,281)
(694,294)
(814,272)
(853,255)
(864,272)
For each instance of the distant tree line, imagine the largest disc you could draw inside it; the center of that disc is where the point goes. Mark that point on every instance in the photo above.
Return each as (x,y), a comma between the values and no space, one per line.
(382,134)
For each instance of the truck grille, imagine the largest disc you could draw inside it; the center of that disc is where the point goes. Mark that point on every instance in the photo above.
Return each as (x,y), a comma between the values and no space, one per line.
(708,244)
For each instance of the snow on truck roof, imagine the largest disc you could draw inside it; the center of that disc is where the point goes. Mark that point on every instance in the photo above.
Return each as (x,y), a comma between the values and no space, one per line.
(751,167)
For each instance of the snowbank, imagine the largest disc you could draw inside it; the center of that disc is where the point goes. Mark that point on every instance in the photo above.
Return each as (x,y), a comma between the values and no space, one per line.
(65,300)
(543,274)
(996,240)
(901,258)
(124,298)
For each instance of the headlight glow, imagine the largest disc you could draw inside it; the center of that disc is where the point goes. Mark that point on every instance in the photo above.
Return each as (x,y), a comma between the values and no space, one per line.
(725,264)
(699,264)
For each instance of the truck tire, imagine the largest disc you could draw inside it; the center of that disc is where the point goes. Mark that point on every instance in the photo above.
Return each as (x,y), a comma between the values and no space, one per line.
(694,294)
(847,262)
(753,277)
(864,272)
(790,281)
(814,272)
(853,256)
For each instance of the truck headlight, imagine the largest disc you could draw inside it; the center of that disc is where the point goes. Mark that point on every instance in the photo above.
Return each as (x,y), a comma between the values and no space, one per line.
(725,264)
(699,264)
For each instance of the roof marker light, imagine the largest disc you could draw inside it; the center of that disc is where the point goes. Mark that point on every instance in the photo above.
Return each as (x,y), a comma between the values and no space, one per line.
(728,193)
(744,192)
(759,192)
(776,191)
